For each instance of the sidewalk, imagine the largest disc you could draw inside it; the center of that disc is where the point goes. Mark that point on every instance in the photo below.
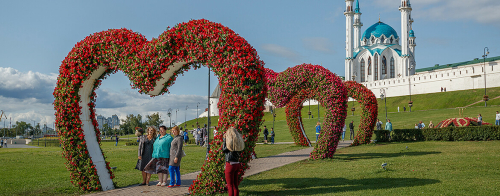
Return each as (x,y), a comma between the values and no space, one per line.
(256,166)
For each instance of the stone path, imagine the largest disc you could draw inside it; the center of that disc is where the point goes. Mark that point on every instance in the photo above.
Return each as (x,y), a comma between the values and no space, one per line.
(256,166)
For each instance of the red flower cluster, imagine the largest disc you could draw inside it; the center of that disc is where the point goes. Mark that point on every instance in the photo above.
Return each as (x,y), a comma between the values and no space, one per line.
(369,105)
(460,122)
(233,60)
(294,85)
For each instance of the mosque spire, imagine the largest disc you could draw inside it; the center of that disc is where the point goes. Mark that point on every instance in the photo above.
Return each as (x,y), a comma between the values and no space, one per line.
(356,10)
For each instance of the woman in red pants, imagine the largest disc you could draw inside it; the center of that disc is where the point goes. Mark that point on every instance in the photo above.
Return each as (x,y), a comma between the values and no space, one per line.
(232,147)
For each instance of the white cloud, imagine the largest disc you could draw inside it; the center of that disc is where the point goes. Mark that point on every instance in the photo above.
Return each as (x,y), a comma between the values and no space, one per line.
(320,44)
(284,52)
(483,11)
(16,84)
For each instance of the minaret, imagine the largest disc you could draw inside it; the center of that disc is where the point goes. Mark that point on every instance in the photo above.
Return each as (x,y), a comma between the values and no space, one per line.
(405,9)
(412,49)
(357,26)
(349,13)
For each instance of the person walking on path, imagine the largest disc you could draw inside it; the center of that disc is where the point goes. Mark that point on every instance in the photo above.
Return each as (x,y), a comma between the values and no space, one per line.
(351,129)
(186,137)
(1,143)
(497,119)
(404,108)
(479,120)
(232,147)
(379,124)
(398,108)
(318,130)
(343,131)
(175,158)
(116,137)
(161,157)
(145,153)
(266,133)
(5,143)
(272,135)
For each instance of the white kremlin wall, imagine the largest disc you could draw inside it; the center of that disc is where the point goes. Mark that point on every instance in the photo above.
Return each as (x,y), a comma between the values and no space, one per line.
(453,79)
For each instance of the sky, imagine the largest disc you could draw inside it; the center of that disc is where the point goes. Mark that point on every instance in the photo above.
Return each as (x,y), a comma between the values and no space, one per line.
(35,36)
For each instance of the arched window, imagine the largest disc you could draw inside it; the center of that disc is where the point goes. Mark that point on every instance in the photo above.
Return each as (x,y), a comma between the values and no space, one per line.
(373,40)
(384,65)
(369,65)
(375,62)
(362,70)
(393,74)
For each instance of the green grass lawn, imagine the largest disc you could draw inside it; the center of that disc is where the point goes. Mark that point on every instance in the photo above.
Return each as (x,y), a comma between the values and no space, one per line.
(41,171)
(426,168)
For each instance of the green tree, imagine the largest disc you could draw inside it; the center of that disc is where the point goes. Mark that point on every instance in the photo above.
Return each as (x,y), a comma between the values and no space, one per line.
(107,130)
(20,127)
(130,123)
(153,120)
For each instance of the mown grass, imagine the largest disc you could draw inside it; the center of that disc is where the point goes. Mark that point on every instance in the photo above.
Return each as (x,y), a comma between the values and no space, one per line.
(426,168)
(41,171)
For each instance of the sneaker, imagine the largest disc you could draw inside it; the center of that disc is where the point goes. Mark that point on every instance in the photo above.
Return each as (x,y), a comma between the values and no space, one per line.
(159,184)
(164,184)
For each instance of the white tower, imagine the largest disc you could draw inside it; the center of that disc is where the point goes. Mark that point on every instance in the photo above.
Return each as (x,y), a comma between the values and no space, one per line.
(349,13)
(357,26)
(405,9)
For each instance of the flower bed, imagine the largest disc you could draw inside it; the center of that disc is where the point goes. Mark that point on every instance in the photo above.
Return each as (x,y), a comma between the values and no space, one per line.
(330,92)
(460,122)
(152,67)
(369,107)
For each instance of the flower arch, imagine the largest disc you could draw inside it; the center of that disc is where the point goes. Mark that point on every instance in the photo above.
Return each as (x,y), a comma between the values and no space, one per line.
(152,67)
(369,105)
(331,93)
(294,116)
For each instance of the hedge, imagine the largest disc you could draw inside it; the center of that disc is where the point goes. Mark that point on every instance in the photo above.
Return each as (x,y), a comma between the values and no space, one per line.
(470,133)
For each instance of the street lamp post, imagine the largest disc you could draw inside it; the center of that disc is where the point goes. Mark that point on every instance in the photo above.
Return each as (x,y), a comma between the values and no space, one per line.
(410,104)
(383,97)
(185,118)
(486,52)
(176,110)
(169,112)
(197,113)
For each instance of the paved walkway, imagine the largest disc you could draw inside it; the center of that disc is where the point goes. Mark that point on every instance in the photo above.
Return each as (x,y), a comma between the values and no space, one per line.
(256,166)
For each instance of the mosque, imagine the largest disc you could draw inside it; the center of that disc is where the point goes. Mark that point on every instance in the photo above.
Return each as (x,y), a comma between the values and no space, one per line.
(384,62)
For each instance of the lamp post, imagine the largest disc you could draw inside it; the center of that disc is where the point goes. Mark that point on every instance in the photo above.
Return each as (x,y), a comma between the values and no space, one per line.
(410,104)
(383,97)
(169,112)
(486,52)
(185,118)
(176,110)
(208,115)
(197,113)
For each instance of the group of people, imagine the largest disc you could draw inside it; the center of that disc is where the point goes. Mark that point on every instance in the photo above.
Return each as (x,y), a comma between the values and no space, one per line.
(200,135)
(421,125)
(160,154)
(266,134)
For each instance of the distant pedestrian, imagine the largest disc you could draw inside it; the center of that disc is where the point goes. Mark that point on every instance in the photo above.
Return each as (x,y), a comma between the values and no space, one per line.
(479,120)
(379,124)
(272,135)
(215,131)
(186,137)
(195,136)
(116,137)
(351,129)
(421,125)
(404,108)
(1,142)
(417,127)
(343,131)
(497,119)
(318,130)
(441,89)
(232,147)
(266,133)
(398,108)
(5,143)
(388,125)
(444,89)
(431,125)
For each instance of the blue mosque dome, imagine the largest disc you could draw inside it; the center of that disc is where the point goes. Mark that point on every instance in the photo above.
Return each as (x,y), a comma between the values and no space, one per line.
(379,29)
(412,34)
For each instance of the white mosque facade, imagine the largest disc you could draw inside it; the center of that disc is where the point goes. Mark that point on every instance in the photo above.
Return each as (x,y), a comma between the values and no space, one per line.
(380,59)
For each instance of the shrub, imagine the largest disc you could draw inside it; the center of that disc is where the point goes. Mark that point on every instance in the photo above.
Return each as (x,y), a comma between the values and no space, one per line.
(382,135)
(471,133)
(133,143)
(399,135)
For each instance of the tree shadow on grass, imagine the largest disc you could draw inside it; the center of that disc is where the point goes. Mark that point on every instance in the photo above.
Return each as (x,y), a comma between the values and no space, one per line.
(351,157)
(311,186)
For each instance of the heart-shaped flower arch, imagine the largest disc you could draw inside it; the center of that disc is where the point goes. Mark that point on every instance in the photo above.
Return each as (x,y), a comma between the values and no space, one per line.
(368,102)
(152,67)
(323,86)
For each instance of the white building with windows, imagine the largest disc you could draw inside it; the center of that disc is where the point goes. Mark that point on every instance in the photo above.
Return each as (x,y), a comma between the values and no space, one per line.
(377,53)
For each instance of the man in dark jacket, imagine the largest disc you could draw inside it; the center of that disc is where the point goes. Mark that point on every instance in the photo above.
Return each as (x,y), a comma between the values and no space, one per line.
(351,129)
(266,133)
